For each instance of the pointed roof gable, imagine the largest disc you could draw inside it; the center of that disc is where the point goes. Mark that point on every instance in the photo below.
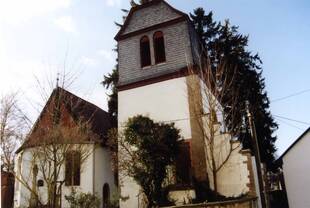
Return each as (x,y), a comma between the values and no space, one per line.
(147,16)
(73,110)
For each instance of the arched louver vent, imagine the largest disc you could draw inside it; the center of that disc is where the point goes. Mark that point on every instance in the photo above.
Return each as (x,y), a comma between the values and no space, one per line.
(145,54)
(159,47)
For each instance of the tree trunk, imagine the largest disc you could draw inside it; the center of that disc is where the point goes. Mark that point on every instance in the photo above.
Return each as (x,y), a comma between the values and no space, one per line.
(215,181)
(214,174)
(150,202)
(54,180)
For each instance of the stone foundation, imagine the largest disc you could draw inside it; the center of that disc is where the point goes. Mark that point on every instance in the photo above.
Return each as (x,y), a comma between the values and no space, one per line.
(248,202)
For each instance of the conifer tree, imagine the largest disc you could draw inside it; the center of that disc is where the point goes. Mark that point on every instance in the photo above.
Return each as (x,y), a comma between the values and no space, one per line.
(110,82)
(223,40)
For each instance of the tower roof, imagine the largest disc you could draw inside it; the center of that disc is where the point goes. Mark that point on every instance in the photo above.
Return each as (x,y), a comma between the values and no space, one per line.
(122,32)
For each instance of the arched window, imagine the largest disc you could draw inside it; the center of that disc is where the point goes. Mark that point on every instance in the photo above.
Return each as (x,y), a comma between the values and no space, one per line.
(106,195)
(159,47)
(145,53)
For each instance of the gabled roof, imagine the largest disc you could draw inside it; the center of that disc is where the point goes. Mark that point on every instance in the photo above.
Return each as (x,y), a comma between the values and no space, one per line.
(296,141)
(79,110)
(143,6)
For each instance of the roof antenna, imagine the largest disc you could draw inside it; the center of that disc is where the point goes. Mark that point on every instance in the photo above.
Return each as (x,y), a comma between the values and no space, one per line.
(57,80)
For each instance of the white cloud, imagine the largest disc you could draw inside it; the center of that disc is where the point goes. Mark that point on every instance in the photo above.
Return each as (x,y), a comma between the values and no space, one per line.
(20,11)
(108,55)
(66,23)
(19,76)
(22,70)
(113,3)
(88,61)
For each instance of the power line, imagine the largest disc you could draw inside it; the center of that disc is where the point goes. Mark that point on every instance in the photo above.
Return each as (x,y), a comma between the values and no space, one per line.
(291,95)
(289,124)
(188,118)
(290,119)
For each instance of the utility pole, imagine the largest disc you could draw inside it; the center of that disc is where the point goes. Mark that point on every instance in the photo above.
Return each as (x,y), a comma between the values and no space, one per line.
(257,156)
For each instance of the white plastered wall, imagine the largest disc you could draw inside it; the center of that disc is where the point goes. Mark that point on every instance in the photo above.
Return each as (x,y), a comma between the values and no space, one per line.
(95,171)
(296,169)
(165,101)
(103,172)
(233,176)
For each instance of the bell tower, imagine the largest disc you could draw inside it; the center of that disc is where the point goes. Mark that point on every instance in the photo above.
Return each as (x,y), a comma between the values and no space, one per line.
(156,45)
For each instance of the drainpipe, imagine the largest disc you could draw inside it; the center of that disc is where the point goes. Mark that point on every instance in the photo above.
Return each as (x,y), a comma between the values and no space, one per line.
(257,156)
(94,169)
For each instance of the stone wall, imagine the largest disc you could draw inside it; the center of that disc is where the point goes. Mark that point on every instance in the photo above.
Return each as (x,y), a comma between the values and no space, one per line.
(248,202)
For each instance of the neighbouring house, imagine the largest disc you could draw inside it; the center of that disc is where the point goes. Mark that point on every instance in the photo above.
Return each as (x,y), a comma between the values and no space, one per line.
(89,173)
(157,45)
(296,170)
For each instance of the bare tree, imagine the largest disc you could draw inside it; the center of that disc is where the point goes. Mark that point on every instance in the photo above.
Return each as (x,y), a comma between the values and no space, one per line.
(62,136)
(13,127)
(208,91)
(48,160)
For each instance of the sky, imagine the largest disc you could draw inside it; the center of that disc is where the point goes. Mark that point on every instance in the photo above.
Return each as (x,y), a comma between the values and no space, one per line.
(40,38)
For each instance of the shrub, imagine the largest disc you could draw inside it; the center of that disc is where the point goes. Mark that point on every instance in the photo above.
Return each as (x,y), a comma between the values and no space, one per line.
(155,146)
(83,200)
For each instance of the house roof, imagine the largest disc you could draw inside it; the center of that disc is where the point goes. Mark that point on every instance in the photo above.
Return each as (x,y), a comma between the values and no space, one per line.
(292,145)
(142,6)
(79,110)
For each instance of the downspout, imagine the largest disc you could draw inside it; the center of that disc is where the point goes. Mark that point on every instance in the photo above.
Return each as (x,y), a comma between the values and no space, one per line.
(94,174)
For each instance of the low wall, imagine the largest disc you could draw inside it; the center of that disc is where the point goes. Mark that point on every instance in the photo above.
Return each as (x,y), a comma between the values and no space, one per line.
(249,202)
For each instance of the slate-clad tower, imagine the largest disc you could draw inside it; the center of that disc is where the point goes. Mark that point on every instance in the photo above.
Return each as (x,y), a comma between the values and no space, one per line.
(156,45)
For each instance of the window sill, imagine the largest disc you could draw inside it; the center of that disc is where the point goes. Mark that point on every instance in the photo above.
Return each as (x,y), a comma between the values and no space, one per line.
(146,67)
(161,63)
(157,64)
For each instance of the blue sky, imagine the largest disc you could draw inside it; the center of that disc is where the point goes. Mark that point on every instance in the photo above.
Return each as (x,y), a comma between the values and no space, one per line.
(38,38)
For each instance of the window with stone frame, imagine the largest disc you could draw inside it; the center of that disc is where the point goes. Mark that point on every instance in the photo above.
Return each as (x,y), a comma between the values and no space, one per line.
(145,53)
(159,47)
(72,168)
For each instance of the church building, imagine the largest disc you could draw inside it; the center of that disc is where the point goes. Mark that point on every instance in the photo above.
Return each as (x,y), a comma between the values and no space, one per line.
(157,45)
(82,159)
(158,50)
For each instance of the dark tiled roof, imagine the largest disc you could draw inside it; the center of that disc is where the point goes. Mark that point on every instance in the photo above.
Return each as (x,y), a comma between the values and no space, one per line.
(142,6)
(80,110)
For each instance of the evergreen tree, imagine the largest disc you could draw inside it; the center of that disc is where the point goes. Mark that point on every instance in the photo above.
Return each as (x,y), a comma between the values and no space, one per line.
(110,82)
(111,79)
(223,40)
